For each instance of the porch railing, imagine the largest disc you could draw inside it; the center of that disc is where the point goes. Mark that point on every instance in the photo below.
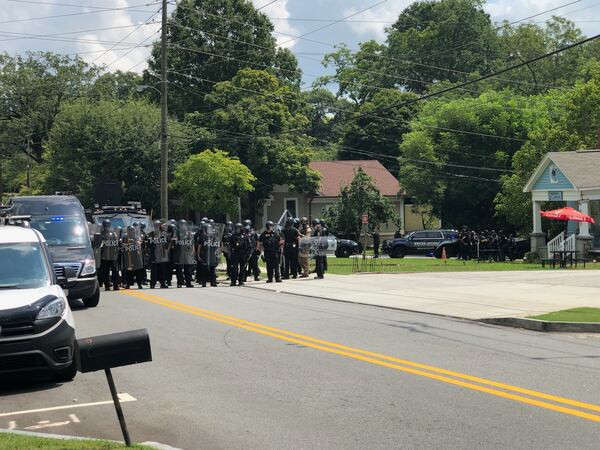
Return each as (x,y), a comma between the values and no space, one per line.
(569,243)
(556,244)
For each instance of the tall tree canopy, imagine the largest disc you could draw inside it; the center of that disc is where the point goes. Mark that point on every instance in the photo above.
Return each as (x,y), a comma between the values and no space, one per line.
(210,41)
(258,119)
(94,141)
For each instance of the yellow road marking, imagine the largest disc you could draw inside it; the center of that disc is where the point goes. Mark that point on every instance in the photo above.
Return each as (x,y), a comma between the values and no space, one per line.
(382,360)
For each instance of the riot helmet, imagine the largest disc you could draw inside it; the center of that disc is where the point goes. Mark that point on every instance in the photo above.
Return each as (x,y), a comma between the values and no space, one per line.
(156,224)
(204,219)
(247,223)
(106,224)
(211,221)
(238,228)
(289,222)
(131,234)
(247,229)
(269,225)
(296,223)
(315,222)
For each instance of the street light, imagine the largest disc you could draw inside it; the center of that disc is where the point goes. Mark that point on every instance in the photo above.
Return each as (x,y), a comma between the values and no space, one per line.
(164,155)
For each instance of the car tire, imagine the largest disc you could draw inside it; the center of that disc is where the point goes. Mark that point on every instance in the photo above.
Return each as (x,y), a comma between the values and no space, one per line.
(65,375)
(92,302)
(398,252)
(344,253)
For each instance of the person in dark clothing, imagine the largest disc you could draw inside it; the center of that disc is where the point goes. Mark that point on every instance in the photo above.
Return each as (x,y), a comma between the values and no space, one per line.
(109,251)
(133,260)
(160,247)
(238,246)
(320,260)
(185,257)
(253,268)
(208,254)
(291,236)
(271,242)
(375,236)
(227,233)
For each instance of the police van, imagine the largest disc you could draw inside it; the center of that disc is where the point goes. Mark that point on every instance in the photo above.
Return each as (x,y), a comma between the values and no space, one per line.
(61,220)
(37,331)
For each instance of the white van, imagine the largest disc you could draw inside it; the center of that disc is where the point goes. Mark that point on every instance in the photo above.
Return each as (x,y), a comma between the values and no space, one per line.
(37,331)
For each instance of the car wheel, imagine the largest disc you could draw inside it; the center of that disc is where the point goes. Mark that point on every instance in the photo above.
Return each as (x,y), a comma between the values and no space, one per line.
(344,252)
(64,375)
(92,301)
(398,252)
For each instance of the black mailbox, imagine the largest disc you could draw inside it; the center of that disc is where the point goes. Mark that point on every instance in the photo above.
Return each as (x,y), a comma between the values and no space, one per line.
(113,350)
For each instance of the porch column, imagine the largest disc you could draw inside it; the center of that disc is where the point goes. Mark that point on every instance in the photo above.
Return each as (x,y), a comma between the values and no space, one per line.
(584,227)
(538,238)
(537,219)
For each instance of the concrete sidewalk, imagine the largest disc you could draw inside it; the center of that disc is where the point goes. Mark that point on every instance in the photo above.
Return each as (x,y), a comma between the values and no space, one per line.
(470,295)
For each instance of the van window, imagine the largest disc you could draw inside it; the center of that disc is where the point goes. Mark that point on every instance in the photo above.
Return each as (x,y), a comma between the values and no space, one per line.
(61,230)
(42,206)
(23,266)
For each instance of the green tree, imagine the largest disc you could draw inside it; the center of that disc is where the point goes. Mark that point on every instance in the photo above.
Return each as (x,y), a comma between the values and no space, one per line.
(441,40)
(359,75)
(524,42)
(374,130)
(116,86)
(211,41)
(458,173)
(94,141)
(212,182)
(32,88)
(259,120)
(360,197)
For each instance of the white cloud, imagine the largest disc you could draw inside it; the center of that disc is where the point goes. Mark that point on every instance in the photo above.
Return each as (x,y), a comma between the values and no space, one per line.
(283,28)
(376,19)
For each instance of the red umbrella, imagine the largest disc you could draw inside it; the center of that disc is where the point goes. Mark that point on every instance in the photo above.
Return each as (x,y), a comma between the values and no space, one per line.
(567,213)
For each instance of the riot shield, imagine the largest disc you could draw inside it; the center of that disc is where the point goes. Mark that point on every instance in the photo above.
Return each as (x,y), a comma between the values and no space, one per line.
(211,245)
(318,246)
(184,245)
(109,248)
(133,259)
(162,245)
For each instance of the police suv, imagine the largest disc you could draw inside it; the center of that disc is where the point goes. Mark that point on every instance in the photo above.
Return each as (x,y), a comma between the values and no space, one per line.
(425,242)
(37,331)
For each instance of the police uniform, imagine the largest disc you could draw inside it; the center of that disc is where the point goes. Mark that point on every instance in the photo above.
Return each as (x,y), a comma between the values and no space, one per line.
(133,261)
(270,241)
(109,255)
(239,246)
(208,255)
(291,238)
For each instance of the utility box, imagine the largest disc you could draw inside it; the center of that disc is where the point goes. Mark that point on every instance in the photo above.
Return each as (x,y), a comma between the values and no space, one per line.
(113,350)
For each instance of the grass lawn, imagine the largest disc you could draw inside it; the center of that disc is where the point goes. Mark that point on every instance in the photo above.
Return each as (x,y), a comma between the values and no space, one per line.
(343,266)
(10,441)
(572,315)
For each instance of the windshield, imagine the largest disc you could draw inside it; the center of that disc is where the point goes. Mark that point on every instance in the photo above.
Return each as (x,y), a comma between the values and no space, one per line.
(61,230)
(23,266)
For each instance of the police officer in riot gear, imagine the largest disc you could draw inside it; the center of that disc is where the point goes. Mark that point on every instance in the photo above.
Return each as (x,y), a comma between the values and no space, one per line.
(159,255)
(238,247)
(291,237)
(271,241)
(227,233)
(109,255)
(320,260)
(133,261)
(254,253)
(208,253)
(184,255)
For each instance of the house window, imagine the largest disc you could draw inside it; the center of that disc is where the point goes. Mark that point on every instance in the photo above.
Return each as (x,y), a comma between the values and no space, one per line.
(291,204)
(553,174)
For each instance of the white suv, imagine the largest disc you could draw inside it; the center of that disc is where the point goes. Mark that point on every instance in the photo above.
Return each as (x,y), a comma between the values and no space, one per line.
(37,331)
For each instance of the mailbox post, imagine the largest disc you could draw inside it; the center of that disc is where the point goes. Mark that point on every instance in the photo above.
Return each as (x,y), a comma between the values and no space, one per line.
(114,350)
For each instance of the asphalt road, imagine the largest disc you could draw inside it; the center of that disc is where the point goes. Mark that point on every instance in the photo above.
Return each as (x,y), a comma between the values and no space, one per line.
(242,368)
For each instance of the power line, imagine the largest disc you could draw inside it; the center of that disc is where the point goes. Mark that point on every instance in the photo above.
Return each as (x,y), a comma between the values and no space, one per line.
(129,8)
(333,23)
(267,4)
(132,49)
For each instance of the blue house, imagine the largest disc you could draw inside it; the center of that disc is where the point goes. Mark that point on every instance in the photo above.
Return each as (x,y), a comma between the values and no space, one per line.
(572,178)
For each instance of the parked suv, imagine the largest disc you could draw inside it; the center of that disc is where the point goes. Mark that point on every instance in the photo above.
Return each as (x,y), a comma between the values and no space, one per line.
(61,219)
(425,242)
(37,331)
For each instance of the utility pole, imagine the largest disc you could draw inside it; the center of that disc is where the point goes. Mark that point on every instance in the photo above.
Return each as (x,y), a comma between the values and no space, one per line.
(28,163)
(164,152)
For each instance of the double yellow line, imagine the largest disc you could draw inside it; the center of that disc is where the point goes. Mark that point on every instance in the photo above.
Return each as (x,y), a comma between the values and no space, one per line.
(491,387)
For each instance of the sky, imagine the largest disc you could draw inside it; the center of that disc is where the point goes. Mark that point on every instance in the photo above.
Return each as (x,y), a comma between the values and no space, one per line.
(113,32)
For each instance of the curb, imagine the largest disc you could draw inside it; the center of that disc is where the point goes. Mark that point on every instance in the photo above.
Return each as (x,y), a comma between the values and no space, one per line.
(544,326)
(156,445)
(352,302)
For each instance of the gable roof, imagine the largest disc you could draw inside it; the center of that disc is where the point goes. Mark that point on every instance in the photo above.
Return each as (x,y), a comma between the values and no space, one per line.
(582,168)
(337,174)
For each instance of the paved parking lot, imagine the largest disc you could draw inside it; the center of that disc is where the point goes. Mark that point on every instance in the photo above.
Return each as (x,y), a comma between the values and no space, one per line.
(471,295)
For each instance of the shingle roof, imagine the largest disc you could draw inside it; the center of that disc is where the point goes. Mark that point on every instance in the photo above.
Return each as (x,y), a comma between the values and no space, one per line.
(337,174)
(581,168)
